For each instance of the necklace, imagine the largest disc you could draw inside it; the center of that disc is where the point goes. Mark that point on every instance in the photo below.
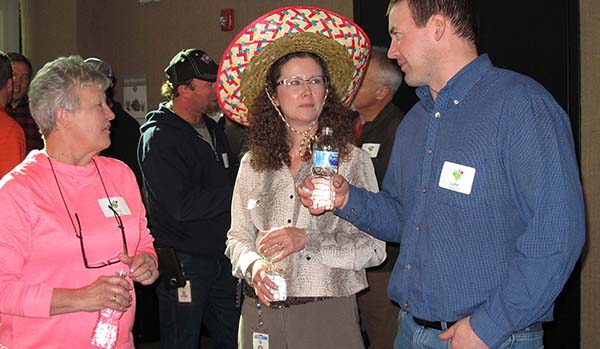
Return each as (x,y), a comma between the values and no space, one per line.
(307,138)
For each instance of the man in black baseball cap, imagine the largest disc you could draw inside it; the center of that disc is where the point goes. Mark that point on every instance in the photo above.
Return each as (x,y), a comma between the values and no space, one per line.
(184,157)
(191,63)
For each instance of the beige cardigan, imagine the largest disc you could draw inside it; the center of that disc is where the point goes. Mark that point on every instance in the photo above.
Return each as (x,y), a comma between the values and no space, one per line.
(336,252)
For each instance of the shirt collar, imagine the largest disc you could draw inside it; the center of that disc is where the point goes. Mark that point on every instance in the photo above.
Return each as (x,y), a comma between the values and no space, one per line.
(461,83)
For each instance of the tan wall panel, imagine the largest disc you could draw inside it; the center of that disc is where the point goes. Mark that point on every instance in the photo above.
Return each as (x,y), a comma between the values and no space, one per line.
(590,165)
(50,28)
(141,39)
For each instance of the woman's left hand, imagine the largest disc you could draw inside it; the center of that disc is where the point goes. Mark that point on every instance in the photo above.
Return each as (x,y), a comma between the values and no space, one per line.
(142,268)
(282,242)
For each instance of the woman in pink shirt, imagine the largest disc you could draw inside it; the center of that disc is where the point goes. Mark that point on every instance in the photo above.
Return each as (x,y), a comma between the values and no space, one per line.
(71,221)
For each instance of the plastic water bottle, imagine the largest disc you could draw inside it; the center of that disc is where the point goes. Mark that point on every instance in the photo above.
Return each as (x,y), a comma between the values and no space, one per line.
(106,331)
(325,167)
(279,294)
(275,274)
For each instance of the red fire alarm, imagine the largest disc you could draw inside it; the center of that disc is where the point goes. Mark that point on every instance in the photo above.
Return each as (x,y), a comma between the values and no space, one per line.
(226,19)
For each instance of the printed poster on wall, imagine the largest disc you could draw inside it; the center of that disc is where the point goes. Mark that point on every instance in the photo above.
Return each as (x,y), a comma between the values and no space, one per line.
(135,96)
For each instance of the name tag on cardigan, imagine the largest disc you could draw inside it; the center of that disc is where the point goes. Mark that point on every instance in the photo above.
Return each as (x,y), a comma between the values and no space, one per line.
(117,203)
(457,177)
(372,149)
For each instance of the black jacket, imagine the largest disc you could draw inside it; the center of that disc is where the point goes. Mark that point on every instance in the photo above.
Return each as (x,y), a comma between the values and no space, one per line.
(382,131)
(189,189)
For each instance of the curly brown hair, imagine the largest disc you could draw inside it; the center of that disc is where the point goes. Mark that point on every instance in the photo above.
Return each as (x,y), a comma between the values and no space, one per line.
(268,134)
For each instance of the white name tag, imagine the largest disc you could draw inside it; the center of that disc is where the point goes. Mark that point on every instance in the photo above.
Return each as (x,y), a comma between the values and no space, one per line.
(118,204)
(225,160)
(457,177)
(260,340)
(372,149)
(184,294)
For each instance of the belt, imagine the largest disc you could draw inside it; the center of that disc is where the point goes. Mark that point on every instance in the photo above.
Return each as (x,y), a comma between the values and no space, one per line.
(249,292)
(436,325)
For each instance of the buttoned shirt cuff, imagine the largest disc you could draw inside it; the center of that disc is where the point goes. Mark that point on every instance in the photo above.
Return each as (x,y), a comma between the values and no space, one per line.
(487,330)
(245,261)
(351,211)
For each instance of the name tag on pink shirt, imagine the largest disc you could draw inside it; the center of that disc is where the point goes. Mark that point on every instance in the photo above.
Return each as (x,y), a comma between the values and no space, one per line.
(117,203)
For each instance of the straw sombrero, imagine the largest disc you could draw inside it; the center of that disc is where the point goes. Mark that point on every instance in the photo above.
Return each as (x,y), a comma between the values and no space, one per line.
(242,74)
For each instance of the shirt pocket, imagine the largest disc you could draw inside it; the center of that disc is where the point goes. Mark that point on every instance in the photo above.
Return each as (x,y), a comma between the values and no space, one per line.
(261,210)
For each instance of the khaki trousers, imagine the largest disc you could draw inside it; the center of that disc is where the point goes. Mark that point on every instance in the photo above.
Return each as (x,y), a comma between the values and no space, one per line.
(328,324)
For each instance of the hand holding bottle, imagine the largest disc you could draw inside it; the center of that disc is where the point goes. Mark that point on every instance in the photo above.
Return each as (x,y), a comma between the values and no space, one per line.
(106,331)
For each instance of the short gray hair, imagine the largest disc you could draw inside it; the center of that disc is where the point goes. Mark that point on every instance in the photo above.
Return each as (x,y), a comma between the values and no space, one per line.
(54,86)
(389,72)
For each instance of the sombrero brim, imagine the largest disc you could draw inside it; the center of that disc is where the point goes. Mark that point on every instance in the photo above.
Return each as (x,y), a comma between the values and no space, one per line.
(341,43)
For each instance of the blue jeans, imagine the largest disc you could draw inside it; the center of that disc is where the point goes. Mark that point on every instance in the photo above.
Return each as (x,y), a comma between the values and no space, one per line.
(412,336)
(213,292)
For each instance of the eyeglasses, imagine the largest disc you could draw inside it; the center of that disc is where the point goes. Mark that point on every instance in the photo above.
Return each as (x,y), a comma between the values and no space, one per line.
(100,264)
(113,260)
(296,84)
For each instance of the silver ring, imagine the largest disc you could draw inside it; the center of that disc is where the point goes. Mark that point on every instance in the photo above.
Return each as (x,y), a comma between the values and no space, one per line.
(114,298)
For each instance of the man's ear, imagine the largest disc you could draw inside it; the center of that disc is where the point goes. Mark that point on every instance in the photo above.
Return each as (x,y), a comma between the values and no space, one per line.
(182,89)
(383,92)
(438,26)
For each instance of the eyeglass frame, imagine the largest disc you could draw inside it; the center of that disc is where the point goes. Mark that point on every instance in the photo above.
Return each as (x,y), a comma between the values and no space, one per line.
(305,82)
(80,237)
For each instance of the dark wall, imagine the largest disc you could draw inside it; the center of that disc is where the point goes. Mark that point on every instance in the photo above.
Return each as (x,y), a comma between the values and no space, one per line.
(539,38)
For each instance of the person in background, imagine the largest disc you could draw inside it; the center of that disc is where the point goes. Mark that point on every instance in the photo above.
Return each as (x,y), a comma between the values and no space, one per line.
(184,158)
(18,108)
(71,221)
(375,131)
(124,129)
(12,139)
(482,190)
(291,88)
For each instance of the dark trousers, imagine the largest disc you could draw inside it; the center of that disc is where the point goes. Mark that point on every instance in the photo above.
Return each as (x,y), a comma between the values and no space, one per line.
(378,314)
(213,292)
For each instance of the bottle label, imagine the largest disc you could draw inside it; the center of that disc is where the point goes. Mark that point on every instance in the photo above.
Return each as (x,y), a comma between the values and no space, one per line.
(323,158)
(279,294)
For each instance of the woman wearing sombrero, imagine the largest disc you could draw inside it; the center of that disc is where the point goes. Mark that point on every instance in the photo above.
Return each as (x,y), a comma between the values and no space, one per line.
(286,76)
